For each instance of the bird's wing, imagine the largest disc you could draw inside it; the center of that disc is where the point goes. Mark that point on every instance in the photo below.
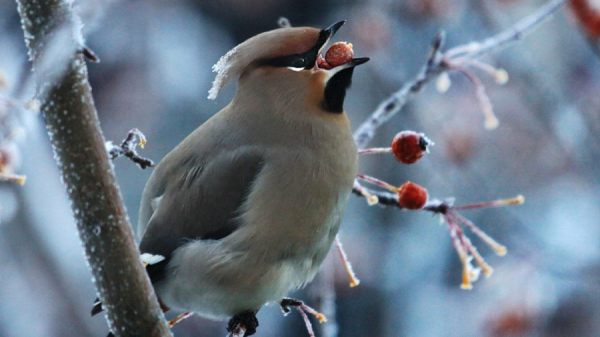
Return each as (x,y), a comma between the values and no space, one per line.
(199,199)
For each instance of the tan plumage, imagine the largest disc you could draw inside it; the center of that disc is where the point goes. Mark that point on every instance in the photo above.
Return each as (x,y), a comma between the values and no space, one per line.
(245,209)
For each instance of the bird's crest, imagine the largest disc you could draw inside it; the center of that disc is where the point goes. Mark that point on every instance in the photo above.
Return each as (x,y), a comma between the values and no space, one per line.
(271,44)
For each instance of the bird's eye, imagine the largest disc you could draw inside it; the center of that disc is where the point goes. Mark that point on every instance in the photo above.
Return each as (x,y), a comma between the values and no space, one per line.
(297,62)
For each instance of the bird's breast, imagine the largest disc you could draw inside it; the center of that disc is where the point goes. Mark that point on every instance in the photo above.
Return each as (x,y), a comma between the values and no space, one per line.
(296,204)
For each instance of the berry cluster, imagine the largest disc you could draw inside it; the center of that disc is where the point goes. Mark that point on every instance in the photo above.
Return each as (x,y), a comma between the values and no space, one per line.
(408,147)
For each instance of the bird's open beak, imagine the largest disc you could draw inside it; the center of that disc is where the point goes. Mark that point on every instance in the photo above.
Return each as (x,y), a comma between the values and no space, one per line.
(331,30)
(325,36)
(338,75)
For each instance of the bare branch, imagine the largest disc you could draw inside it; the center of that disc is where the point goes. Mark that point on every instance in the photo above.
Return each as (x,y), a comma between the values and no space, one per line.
(52,33)
(512,34)
(436,65)
(127,148)
(392,105)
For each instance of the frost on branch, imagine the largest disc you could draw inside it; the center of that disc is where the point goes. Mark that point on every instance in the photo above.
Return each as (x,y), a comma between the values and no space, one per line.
(127,148)
(458,58)
(53,35)
(463,59)
(410,196)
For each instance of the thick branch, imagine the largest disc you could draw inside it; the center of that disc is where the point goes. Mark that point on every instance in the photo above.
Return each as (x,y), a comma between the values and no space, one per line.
(51,32)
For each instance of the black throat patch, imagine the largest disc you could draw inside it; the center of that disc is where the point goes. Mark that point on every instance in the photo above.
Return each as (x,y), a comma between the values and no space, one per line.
(335,90)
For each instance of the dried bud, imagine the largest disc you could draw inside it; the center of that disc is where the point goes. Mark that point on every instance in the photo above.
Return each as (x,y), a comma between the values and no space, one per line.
(339,53)
(409,147)
(412,196)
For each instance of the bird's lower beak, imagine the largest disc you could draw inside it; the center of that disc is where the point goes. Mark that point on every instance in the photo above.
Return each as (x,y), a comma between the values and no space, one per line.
(356,62)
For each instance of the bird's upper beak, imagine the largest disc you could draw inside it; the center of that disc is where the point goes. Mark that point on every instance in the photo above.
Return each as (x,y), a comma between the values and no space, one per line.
(326,34)
(324,37)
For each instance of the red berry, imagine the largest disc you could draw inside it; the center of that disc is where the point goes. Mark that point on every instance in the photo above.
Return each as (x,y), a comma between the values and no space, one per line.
(408,146)
(588,15)
(412,196)
(321,63)
(339,53)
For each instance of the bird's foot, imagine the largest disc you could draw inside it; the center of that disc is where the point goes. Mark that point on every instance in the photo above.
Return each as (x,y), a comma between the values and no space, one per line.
(288,303)
(243,324)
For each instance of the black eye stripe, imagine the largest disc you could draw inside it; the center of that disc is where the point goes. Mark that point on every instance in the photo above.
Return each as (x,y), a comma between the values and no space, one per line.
(296,61)
(304,60)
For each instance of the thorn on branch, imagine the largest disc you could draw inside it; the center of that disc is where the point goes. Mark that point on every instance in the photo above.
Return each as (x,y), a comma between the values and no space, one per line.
(433,61)
(439,40)
(284,22)
(127,149)
(89,54)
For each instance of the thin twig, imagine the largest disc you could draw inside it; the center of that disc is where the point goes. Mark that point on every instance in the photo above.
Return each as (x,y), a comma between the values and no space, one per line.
(434,67)
(491,122)
(134,138)
(514,33)
(392,105)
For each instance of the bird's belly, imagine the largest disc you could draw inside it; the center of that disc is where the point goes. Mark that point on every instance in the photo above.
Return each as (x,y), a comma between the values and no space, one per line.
(228,283)
(287,227)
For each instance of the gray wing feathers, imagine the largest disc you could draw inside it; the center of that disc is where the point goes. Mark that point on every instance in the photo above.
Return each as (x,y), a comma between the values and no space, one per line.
(198,200)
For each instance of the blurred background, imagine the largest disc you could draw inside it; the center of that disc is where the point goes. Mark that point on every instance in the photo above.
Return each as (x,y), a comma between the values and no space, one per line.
(155,74)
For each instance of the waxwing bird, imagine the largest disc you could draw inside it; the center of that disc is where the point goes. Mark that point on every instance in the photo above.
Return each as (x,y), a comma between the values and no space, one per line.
(246,208)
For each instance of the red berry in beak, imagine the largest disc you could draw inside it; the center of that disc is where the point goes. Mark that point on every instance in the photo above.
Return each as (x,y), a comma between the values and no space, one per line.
(339,53)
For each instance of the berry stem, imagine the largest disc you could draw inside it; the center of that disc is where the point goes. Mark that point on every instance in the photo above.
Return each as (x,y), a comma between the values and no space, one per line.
(378,182)
(496,203)
(354,281)
(375,150)
(498,248)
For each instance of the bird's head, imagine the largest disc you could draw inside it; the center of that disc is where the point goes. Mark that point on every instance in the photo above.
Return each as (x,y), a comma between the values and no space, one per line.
(285,66)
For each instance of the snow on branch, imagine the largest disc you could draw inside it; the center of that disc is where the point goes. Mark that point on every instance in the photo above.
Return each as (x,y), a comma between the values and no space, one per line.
(127,148)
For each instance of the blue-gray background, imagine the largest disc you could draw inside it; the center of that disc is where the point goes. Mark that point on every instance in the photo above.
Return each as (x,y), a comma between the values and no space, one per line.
(155,74)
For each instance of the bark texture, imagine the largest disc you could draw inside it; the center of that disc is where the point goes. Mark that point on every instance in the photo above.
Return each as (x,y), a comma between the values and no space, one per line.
(52,33)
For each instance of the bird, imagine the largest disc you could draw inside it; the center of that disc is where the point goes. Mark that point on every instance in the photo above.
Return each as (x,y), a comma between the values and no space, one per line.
(245,209)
